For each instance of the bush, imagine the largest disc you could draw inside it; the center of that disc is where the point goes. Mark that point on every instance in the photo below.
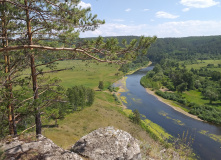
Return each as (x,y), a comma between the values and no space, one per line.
(135,117)
(207,113)
(112,89)
(171,96)
(116,98)
(101,85)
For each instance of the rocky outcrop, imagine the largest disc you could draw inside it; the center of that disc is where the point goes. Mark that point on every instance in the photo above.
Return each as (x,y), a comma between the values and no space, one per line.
(102,144)
(108,144)
(44,148)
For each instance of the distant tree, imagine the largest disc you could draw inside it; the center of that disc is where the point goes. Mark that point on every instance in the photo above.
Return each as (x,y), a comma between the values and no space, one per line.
(101,85)
(135,117)
(181,87)
(80,96)
(210,66)
(211,94)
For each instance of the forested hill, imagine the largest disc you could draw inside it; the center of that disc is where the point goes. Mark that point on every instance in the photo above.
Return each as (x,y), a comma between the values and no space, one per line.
(206,47)
(203,47)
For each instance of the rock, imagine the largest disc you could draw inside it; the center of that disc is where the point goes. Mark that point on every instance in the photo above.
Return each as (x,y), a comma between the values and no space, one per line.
(108,144)
(44,148)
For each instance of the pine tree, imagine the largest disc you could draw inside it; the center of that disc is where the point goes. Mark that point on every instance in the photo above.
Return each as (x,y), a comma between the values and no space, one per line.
(53,26)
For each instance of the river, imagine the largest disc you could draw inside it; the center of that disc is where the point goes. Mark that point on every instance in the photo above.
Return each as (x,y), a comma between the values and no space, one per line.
(174,122)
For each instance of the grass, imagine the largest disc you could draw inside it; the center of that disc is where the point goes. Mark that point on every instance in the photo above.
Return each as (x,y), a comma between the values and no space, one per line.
(87,74)
(204,63)
(196,97)
(104,112)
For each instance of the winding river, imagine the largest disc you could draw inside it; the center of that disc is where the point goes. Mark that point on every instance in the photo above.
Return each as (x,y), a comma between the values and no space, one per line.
(206,144)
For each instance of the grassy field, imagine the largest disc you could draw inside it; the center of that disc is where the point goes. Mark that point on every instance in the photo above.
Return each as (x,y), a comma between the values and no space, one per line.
(204,63)
(87,74)
(196,97)
(104,112)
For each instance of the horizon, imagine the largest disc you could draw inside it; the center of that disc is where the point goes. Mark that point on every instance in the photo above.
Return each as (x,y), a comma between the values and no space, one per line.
(173,19)
(157,37)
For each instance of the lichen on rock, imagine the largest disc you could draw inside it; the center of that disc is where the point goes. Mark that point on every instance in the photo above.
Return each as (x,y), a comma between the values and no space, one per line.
(108,144)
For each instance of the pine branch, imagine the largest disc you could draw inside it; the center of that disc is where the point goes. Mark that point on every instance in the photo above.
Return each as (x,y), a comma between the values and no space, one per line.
(52,71)
(60,59)
(55,49)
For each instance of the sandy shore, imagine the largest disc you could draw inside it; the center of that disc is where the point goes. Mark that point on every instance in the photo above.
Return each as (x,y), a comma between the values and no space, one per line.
(174,107)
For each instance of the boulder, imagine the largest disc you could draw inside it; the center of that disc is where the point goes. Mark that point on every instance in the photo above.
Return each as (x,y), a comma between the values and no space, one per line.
(108,144)
(44,149)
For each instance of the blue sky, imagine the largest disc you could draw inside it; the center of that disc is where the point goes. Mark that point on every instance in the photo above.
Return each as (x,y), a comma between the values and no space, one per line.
(163,18)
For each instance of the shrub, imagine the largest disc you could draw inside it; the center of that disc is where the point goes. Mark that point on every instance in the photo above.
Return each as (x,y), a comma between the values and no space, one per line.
(101,85)
(135,117)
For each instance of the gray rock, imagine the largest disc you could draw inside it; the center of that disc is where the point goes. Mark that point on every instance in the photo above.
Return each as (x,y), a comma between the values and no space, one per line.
(44,148)
(108,144)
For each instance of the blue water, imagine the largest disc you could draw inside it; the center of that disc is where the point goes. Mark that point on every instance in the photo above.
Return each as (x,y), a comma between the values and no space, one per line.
(165,116)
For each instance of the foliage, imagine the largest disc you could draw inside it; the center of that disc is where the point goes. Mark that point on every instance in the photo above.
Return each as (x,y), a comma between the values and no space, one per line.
(101,85)
(80,96)
(49,26)
(172,96)
(149,83)
(135,117)
(207,113)
(116,98)
(187,48)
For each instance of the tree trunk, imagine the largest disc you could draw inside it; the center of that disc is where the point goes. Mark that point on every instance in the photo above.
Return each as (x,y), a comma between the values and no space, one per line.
(8,86)
(33,73)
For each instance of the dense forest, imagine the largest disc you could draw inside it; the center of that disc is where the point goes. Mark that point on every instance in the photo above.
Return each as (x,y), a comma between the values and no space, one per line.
(202,48)
(186,48)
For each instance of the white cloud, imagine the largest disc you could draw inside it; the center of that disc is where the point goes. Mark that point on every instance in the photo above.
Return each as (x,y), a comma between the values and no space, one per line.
(199,3)
(118,20)
(186,9)
(188,28)
(114,29)
(145,10)
(169,29)
(84,5)
(162,14)
(128,10)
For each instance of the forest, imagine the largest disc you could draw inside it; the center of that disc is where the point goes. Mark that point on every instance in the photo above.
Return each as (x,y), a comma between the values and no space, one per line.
(187,71)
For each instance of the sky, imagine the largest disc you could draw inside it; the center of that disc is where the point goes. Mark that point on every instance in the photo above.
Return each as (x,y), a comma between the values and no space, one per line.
(161,18)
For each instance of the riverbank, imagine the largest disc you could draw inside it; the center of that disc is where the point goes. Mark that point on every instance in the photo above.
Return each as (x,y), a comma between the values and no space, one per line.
(122,84)
(123,88)
(131,72)
(168,102)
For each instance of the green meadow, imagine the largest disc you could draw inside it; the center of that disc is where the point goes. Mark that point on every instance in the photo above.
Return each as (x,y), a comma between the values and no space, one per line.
(196,97)
(204,63)
(86,73)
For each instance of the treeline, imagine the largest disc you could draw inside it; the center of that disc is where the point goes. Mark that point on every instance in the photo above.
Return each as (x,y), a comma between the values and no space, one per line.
(203,48)
(186,48)
(177,79)
(137,63)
